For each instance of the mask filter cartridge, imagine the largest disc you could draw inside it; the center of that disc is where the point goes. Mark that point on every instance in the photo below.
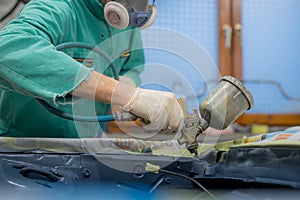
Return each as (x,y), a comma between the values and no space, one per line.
(136,13)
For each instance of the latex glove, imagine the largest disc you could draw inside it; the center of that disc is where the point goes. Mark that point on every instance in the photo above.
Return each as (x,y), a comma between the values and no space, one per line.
(161,109)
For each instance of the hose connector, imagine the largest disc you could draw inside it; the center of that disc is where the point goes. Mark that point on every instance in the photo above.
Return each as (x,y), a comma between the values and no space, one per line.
(124,116)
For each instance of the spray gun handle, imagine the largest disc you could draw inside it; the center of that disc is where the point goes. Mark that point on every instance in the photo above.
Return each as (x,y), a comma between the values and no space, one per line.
(193,126)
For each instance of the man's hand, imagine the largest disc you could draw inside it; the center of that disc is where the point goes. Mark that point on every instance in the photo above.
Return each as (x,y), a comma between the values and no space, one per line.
(160,109)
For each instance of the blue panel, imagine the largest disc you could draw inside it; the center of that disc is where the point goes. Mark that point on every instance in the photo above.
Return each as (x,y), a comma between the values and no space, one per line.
(193,29)
(271,41)
(197,19)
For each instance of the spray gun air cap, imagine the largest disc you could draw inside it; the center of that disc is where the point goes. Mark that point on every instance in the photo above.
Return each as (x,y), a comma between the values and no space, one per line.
(228,101)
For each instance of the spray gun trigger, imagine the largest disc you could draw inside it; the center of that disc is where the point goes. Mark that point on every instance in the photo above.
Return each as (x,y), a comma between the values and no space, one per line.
(190,130)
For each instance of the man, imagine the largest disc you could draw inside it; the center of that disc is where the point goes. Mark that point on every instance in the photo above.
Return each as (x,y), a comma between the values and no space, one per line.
(31,67)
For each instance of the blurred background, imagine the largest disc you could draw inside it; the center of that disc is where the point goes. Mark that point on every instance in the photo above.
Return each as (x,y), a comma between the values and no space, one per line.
(256,41)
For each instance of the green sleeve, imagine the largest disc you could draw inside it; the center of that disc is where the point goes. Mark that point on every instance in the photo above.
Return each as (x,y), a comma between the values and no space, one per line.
(30,63)
(134,64)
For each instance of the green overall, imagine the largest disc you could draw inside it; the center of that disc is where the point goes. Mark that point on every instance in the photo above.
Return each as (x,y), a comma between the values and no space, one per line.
(31,67)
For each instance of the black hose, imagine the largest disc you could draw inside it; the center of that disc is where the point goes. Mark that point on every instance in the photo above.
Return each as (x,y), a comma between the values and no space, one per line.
(57,112)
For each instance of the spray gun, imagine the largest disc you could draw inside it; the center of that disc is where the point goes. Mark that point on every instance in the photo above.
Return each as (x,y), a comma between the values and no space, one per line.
(228,101)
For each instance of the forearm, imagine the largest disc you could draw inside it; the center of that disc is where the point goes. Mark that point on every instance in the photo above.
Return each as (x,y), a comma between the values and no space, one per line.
(160,108)
(104,89)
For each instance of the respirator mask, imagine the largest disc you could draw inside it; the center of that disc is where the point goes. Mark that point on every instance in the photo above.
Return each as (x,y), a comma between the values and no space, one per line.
(123,13)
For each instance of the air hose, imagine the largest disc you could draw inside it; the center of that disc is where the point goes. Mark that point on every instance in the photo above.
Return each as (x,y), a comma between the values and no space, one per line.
(118,116)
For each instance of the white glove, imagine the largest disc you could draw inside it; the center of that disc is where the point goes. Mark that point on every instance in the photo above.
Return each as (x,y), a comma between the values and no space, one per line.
(161,109)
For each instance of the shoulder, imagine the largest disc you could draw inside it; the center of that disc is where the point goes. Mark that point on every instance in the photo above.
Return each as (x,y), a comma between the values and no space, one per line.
(63,8)
(50,13)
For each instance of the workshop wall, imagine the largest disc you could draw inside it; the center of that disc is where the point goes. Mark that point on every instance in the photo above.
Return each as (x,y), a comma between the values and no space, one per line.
(271,42)
(191,56)
(270,51)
